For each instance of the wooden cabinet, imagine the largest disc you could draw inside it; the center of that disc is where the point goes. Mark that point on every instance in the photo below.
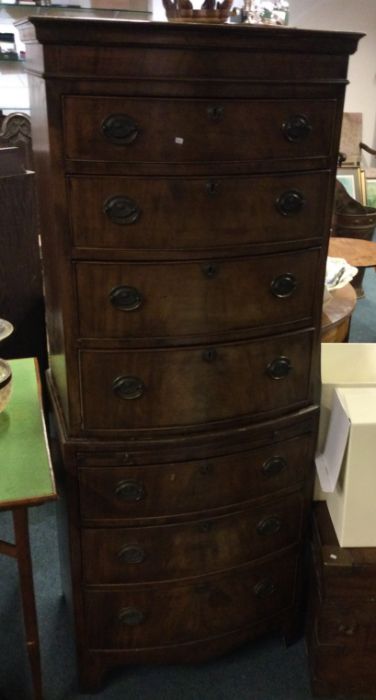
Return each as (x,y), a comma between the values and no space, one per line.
(340,633)
(186,176)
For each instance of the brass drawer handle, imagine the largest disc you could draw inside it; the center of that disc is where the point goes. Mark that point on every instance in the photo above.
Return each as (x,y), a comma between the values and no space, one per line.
(131,616)
(215,113)
(119,129)
(273,466)
(290,202)
(130,490)
(264,588)
(269,526)
(279,368)
(296,128)
(283,286)
(121,210)
(128,388)
(131,554)
(125,298)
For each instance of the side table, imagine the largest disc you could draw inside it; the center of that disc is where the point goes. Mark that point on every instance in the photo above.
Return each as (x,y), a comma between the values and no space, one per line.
(356,251)
(26,479)
(336,315)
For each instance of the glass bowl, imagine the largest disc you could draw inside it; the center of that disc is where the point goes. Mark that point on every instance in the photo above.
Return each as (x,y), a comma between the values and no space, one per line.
(6,328)
(5,384)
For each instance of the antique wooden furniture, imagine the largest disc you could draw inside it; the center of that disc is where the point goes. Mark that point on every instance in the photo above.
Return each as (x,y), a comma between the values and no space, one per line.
(192,169)
(15,130)
(26,479)
(341,623)
(356,251)
(336,315)
(21,291)
(353,220)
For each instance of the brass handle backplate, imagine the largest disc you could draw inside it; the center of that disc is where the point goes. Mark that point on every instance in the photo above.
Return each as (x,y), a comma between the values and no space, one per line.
(283,286)
(264,588)
(128,388)
(290,202)
(296,128)
(131,554)
(131,616)
(119,129)
(125,298)
(279,368)
(121,210)
(273,466)
(130,490)
(269,525)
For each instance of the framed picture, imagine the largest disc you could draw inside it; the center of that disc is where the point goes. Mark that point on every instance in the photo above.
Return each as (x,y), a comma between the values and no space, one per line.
(371,191)
(353,182)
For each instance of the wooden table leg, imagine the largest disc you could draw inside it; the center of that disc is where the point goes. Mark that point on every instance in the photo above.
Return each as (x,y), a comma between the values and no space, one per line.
(22,543)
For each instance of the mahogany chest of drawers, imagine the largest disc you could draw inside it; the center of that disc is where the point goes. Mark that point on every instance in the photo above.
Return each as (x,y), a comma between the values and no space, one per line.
(341,629)
(186,176)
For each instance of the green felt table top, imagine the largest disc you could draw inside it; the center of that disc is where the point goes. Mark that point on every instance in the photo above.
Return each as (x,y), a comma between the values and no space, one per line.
(26,476)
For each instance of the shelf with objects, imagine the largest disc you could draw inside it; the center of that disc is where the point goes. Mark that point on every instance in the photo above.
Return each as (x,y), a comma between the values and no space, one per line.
(14,93)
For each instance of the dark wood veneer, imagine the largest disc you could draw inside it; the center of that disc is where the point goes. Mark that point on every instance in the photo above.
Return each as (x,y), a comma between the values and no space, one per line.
(185,178)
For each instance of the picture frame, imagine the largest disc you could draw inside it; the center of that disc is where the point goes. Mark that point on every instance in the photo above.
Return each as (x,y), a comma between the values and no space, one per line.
(371,191)
(353,181)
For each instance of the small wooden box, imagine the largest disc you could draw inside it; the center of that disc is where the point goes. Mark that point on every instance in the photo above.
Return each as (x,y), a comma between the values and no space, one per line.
(341,624)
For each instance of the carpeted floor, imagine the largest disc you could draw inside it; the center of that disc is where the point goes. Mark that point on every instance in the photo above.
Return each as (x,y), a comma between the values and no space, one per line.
(265,670)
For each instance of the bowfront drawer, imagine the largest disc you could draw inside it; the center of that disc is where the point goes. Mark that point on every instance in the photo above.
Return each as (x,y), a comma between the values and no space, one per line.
(166,130)
(169,614)
(151,389)
(127,212)
(179,551)
(182,299)
(157,491)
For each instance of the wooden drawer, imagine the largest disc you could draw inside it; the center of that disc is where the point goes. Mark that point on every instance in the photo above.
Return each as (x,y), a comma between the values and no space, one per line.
(136,389)
(125,129)
(352,626)
(342,672)
(181,299)
(156,491)
(212,212)
(181,613)
(166,552)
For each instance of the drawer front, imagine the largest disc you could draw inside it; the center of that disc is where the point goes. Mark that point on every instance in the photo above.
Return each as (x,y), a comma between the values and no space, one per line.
(179,551)
(186,386)
(127,212)
(135,130)
(155,491)
(182,299)
(354,627)
(155,615)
